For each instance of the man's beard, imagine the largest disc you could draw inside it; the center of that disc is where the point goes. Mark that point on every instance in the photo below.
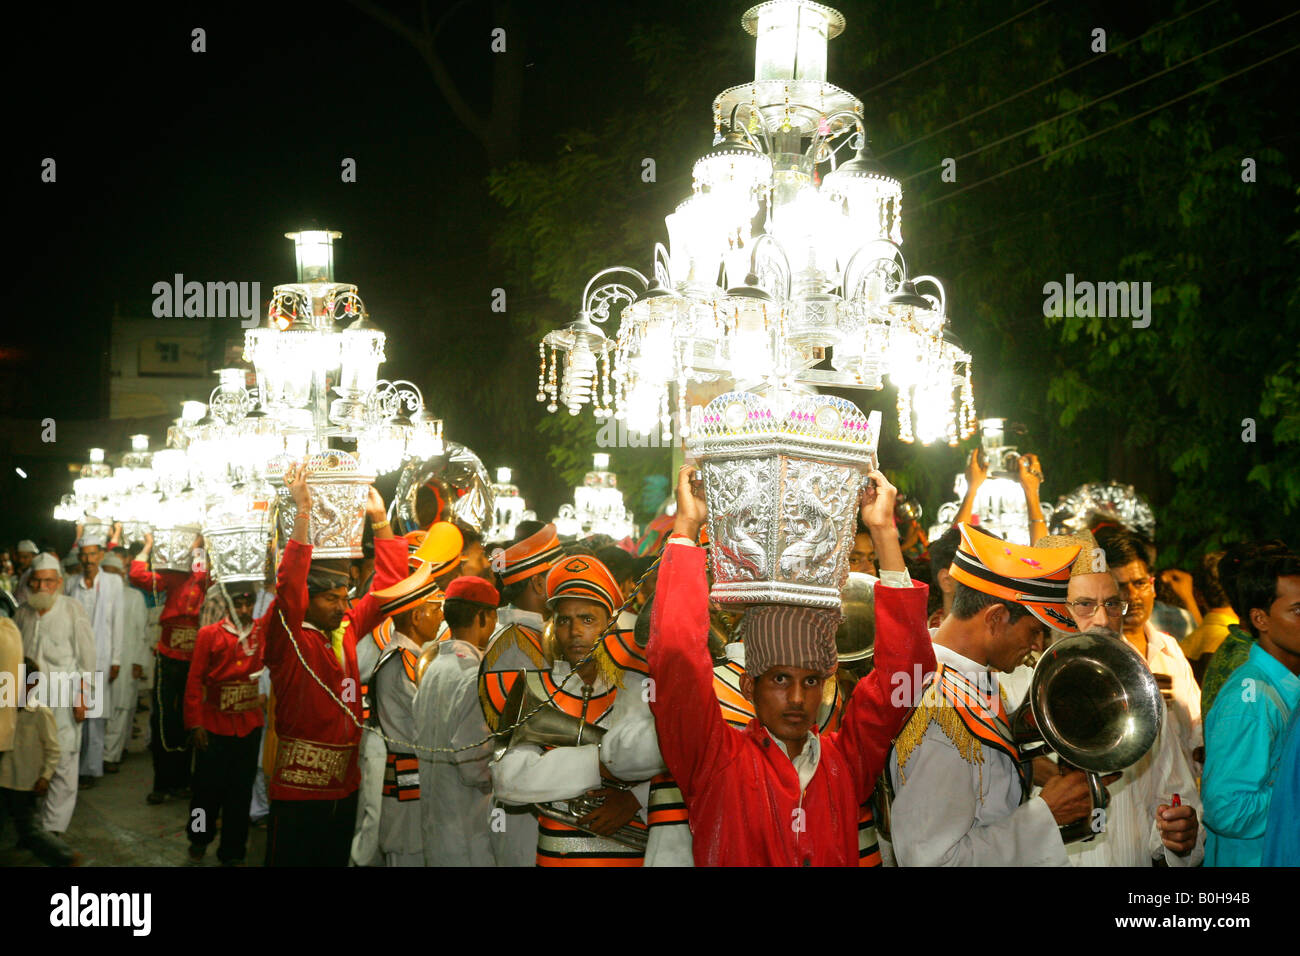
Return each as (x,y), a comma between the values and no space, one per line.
(41,601)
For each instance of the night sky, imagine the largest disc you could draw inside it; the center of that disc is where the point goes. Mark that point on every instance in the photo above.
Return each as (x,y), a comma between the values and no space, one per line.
(171,161)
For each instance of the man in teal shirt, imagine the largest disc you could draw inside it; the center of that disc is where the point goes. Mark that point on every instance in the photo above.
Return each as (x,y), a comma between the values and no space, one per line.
(1282,839)
(1244,731)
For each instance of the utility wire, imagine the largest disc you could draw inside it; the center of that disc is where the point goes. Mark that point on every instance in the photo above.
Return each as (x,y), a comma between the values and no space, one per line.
(1125,122)
(940,56)
(1122,89)
(1029,89)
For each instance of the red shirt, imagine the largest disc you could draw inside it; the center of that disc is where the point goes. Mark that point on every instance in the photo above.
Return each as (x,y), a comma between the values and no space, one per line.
(316,756)
(180,616)
(221,690)
(742,792)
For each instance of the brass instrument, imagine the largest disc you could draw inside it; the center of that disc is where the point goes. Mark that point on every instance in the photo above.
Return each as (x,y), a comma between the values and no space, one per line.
(548,726)
(1093,701)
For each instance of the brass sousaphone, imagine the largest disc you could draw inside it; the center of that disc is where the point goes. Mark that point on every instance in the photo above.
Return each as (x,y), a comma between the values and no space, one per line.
(547,726)
(1093,701)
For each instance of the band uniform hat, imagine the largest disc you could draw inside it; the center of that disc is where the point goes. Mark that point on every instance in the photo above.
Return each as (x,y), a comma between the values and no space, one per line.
(536,554)
(408,593)
(470,587)
(413,541)
(440,550)
(585,577)
(1035,577)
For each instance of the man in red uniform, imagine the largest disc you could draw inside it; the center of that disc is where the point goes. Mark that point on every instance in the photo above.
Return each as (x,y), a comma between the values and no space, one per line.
(311,640)
(168,742)
(224,715)
(777,793)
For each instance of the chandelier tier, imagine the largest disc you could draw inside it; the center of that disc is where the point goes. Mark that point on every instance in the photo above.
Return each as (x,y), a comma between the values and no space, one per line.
(783,267)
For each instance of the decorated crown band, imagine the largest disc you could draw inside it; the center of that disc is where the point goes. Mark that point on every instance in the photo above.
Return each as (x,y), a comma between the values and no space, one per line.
(824,426)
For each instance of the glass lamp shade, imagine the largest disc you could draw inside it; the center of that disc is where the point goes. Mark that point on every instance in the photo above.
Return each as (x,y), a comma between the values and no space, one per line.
(697,240)
(809,228)
(503,476)
(791,39)
(871,200)
(362,350)
(67,509)
(96,456)
(652,359)
(992,434)
(192,412)
(600,461)
(383,448)
(579,378)
(139,442)
(906,358)
(314,252)
(731,178)
(642,406)
(172,468)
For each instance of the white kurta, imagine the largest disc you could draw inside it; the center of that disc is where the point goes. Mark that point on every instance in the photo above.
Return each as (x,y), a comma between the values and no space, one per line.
(952,812)
(103,601)
(1164,656)
(455,789)
(61,642)
(1131,837)
(122,692)
(394,696)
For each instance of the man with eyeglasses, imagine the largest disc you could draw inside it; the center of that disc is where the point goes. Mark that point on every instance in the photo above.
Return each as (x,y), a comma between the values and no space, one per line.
(1142,828)
(1131,559)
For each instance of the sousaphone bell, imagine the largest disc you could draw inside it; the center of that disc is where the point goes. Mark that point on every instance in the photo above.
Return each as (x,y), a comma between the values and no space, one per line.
(1093,701)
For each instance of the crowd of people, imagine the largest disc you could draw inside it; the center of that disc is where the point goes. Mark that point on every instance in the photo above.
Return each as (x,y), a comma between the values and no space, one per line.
(447,701)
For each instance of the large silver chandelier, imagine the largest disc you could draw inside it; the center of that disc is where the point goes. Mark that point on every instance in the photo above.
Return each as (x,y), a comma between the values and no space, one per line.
(785,259)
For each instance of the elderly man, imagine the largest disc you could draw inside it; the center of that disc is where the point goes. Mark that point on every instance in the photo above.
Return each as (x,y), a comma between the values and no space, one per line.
(57,634)
(777,793)
(122,689)
(101,597)
(1140,823)
(1131,558)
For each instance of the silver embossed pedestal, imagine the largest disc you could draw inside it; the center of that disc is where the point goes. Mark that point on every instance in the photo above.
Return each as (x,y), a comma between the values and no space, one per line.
(338,505)
(173,548)
(782,478)
(236,530)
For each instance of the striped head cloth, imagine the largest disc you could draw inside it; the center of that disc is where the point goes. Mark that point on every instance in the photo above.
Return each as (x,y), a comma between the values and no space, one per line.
(790,635)
(536,554)
(584,577)
(1035,577)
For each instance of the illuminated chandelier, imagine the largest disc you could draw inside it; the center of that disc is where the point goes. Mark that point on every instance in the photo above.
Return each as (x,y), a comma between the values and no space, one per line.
(318,340)
(822,282)
(508,508)
(598,506)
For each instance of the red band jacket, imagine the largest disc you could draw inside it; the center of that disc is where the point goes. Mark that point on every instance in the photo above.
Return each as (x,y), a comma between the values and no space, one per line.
(742,792)
(180,615)
(316,757)
(221,689)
